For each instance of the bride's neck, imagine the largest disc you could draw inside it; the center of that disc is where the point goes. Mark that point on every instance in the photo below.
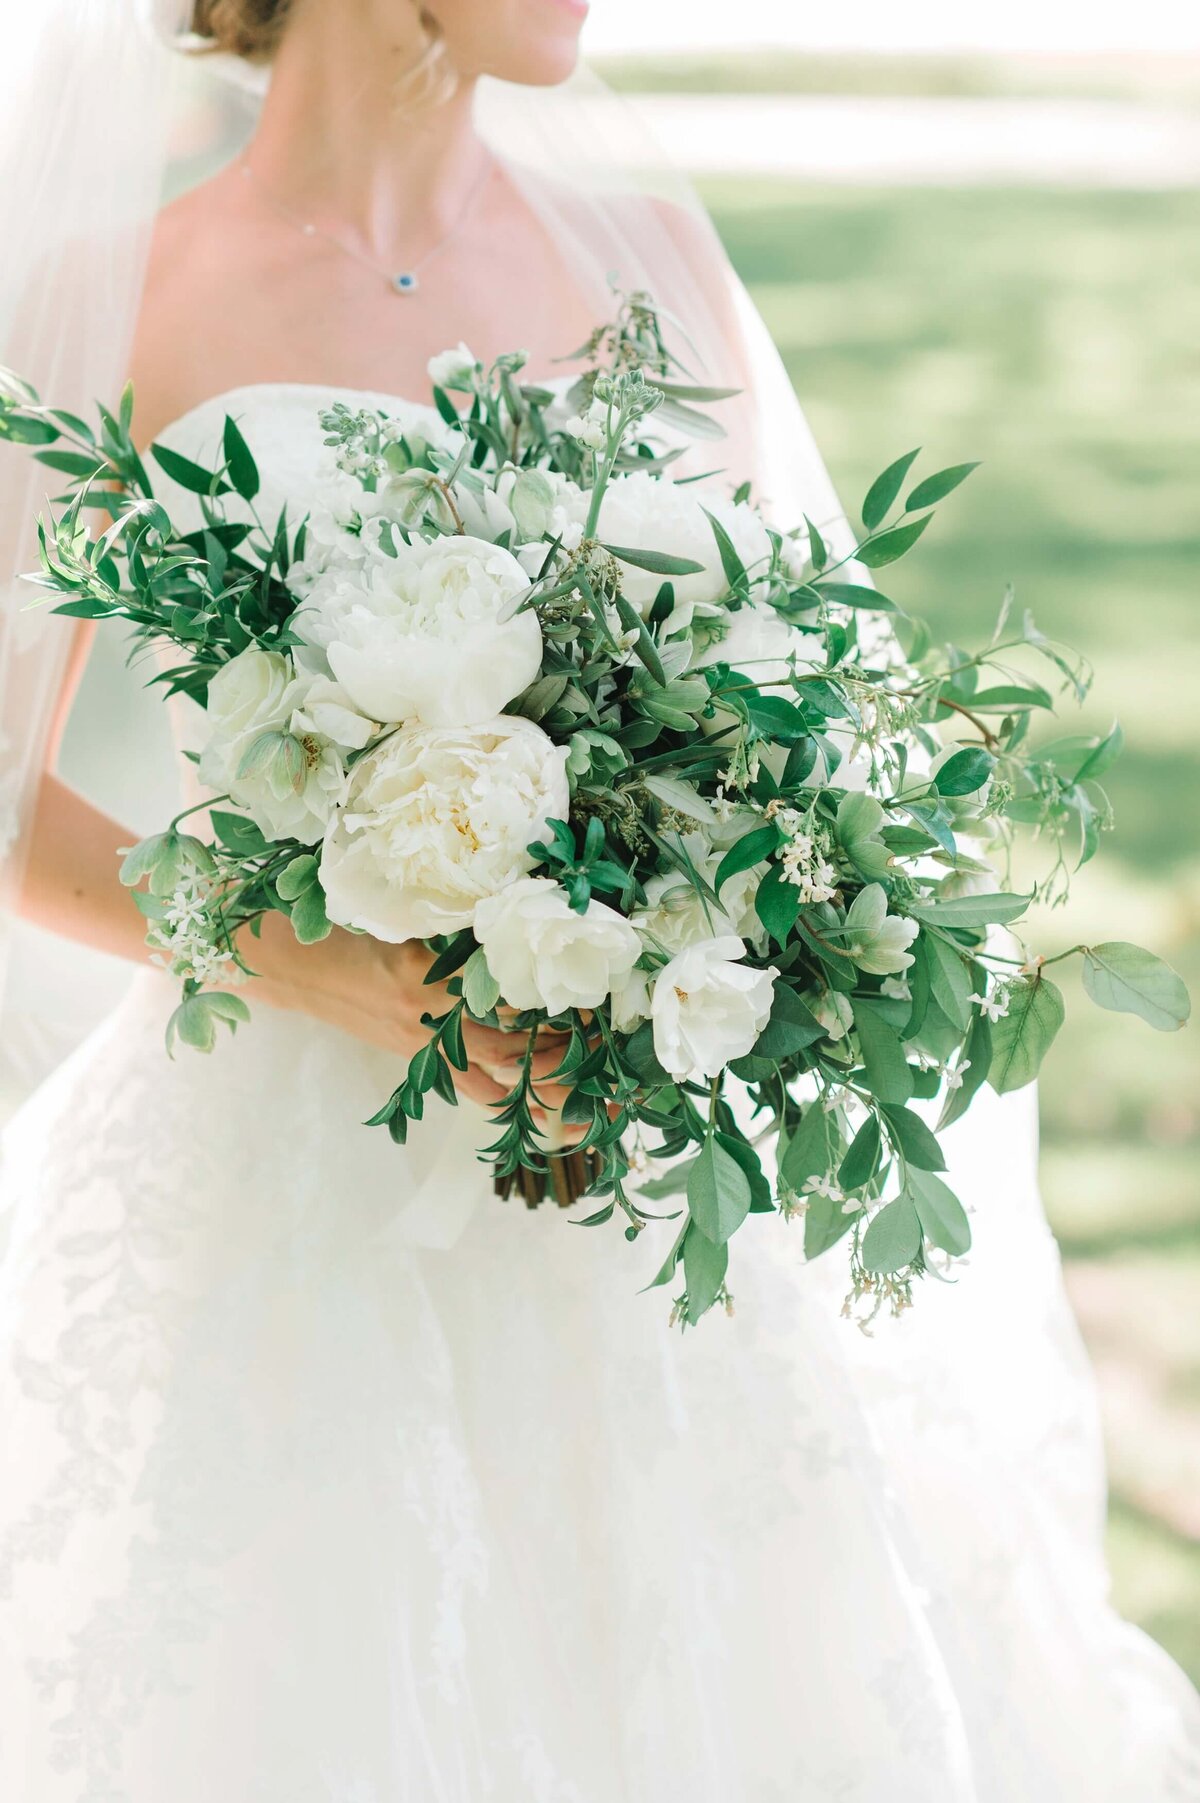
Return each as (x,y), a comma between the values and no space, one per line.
(339,142)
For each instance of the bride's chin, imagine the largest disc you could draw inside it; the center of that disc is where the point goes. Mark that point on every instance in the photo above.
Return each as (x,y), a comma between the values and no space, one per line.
(532,43)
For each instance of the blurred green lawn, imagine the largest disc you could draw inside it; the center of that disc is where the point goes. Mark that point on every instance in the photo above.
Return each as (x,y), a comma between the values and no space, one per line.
(1051,333)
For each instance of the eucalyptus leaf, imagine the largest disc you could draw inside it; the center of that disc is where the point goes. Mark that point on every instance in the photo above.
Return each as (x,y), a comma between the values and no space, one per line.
(942,1216)
(893,1238)
(480,989)
(718,1192)
(1130,980)
(1022,1037)
(704,1268)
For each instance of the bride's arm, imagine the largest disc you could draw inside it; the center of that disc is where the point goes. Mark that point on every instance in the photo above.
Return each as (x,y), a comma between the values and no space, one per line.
(375,992)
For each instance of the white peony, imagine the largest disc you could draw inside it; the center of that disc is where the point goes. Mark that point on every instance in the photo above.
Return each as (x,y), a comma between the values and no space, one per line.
(278,743)
(435,819)
(708,1008)
(431,634)
(645,513)
(545,955)
(454,368)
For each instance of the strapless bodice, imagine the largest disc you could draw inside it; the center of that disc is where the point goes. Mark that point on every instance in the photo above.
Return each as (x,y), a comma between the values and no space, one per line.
(280,421)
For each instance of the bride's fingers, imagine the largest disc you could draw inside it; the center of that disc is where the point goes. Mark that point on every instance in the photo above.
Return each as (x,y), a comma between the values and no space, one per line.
(506,1051)
(479,1086)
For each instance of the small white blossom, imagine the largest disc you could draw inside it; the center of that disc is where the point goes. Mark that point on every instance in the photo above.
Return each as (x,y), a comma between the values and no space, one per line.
(994,1006)
(896,989)
(454,368)
(189,938)
(589,432)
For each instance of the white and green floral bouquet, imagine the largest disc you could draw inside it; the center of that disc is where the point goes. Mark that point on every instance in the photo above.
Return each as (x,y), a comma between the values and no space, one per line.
(632,760)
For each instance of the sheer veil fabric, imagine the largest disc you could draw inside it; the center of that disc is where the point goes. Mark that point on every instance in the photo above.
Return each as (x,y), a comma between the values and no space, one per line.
(75,227)
(307,1498)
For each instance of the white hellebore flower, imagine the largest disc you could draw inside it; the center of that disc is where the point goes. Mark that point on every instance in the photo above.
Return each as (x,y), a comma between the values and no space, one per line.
(708,1008)
(676,915)
(545,955)
(875,939)
(278,743)
(431,634)
(644,513)
(761,644)
(453,369)
(435,820)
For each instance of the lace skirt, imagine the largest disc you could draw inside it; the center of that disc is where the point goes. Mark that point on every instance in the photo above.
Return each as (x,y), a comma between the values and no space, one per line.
(327,1478)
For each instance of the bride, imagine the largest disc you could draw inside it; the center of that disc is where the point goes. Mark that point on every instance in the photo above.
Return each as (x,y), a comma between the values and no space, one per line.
(325,1477)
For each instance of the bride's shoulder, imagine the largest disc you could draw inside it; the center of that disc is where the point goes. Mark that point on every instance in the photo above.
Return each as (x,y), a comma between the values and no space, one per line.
(194,254)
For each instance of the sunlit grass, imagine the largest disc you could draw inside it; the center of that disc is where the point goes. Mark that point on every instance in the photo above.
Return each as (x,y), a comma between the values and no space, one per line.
(1051,334)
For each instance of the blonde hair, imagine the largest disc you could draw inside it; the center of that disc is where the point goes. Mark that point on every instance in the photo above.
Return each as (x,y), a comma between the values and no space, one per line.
(252,29)
(248,28)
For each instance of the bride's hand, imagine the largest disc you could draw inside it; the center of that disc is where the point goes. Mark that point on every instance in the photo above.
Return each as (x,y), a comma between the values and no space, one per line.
(378,993)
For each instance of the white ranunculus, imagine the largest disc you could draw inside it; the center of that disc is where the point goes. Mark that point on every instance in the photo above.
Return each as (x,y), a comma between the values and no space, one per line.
(646,513)
(709,1008)
(278,742)
(434,820)
(430,635)
(452,369)
(545,955)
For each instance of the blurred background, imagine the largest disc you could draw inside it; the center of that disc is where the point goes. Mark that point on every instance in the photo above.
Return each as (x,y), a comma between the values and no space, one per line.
(977,228)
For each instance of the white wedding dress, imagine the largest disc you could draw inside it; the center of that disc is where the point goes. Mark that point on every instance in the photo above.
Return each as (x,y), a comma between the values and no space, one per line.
(328,1478)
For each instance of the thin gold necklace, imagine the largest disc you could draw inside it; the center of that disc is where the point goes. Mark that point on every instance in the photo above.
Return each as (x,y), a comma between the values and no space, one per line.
(400,281)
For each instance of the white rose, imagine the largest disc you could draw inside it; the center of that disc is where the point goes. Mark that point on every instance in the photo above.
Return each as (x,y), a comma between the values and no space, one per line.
(708,1008)
(545,955)
(452,369)
(435,819)
(430,634)
(647,513)
(278,742)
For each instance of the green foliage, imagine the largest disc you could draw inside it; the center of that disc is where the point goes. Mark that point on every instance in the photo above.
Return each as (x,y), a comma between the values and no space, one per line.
(1022,1037)
(1130,980)
(739,782)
